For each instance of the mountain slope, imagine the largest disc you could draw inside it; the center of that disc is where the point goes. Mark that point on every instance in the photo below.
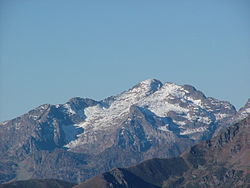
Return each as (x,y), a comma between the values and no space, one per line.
(81,138)
(223,161)
(241,114)
(45,183)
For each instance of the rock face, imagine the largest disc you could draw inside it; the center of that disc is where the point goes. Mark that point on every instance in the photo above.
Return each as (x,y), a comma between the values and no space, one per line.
(223,161)
(241,114)
(83,137)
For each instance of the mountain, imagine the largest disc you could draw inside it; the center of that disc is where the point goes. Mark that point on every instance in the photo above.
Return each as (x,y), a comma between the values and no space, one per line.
(45,183)
(223,161)
(241,114)
(83,137)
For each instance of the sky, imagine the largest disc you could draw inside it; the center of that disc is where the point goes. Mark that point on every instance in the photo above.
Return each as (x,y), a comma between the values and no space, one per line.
(53,50)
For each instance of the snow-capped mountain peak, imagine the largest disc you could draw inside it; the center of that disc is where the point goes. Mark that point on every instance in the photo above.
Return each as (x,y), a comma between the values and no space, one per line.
(150,84)
(192,113)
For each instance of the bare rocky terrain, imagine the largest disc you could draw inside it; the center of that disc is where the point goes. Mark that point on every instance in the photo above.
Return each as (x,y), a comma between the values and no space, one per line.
(223,161)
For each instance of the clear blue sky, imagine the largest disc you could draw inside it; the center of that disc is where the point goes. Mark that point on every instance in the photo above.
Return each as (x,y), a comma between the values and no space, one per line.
(53,50)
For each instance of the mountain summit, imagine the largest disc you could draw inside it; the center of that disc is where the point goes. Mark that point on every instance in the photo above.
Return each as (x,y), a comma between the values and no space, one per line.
(84,137)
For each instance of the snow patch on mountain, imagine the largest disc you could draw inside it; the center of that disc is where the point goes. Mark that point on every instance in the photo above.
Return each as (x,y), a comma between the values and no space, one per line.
(158,103)
(243,112)
(4,123)
(101,117)
(164,128)
(192,131)
(69,109)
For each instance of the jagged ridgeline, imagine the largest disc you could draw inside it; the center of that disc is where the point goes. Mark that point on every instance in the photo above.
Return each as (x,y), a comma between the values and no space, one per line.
(83,137)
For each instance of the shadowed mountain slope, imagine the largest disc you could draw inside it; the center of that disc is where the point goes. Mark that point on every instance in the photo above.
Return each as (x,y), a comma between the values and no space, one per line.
(223,161)
(45,183)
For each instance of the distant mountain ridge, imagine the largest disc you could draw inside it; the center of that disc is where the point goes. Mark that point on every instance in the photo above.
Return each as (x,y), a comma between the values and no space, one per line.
(83,137)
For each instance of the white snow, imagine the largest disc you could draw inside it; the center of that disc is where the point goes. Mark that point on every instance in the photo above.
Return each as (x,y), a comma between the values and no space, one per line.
(205,120)
(195,130)
(43,107)
(198,102)
(157,102)
(243,114)
(247,110)
(181,123)
(4,123)
(163,128)
(99,117)
(69,109)
(18,125)
(35,117)
(220,116)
